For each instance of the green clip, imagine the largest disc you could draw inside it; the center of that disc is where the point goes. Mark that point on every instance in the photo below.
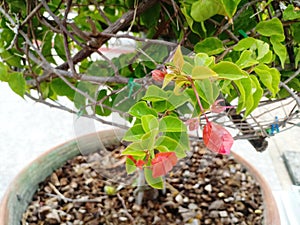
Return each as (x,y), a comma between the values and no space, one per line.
(131,85)
(243,33)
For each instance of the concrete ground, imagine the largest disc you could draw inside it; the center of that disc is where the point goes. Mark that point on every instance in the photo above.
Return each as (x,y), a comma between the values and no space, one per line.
(27,129)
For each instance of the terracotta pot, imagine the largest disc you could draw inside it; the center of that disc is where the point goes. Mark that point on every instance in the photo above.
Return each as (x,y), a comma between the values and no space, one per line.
(23,187)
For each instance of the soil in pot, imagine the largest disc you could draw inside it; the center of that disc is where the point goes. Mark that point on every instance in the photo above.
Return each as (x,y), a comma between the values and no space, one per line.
(207,189)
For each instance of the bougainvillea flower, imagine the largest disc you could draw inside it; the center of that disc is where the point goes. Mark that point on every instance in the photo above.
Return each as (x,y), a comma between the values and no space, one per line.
(139,163)
(158,75)
(193,124)
(217,138)
(163,163)
(218,108)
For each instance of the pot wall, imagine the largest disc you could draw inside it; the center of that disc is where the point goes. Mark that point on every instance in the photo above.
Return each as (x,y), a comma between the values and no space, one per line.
(22,189)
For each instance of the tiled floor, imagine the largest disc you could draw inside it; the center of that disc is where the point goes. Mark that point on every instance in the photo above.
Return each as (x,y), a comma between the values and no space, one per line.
(28,129)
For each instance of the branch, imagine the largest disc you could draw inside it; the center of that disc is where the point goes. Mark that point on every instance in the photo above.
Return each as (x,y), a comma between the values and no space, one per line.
(120,24)
(296,97)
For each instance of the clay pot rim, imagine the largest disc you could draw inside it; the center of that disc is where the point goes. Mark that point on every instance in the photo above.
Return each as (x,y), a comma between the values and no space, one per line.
(272,215)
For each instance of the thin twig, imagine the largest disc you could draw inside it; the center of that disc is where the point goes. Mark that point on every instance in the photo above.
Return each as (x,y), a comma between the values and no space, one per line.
(125,208)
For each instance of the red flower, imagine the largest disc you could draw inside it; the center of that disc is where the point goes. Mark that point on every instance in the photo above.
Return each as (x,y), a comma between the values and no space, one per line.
(217,138)
(158,75)
(193,124)
(139,163)
(218,108)
(163,163)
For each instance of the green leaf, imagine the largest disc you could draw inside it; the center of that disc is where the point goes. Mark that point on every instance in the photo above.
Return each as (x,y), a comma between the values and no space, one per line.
(17,83)
(271,28)
(242,95)
(151,16)
(279,49)
(62,89)
(244,44)
(3,72)
(246,59)
(47,46)
(149,122)
(11,58)
(268,58)
(230,6)
(257,93)
(99,109)
(171,124)
(202,59)
(297,57)
(154,94)
(228,70)
(130,166)
(181,137)
(134,133)
(178,58)
(202,72)
(153,182)
(263,48)
(270,77)
(174,100)
(59,47)
(140,109)
(135,149)
(210,90)
(290,13)
(204,9)
(170,144)
(210,46)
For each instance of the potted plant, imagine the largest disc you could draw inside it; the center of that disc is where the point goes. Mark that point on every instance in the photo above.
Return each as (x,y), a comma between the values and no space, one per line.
(192,60)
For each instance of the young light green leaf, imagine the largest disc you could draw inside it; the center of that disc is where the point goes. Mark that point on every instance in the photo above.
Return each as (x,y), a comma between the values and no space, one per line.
(279,49)
(246,59)
(202,72)
(271,28)
(167,79)
(17,83)
(153,182)
(178,60)
(171,124)
(210,46)
(134,133)
(141,108)
(229,70)
(149,122)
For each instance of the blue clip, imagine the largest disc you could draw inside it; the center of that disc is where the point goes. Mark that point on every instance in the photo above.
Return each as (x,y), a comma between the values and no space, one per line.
(275,126)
